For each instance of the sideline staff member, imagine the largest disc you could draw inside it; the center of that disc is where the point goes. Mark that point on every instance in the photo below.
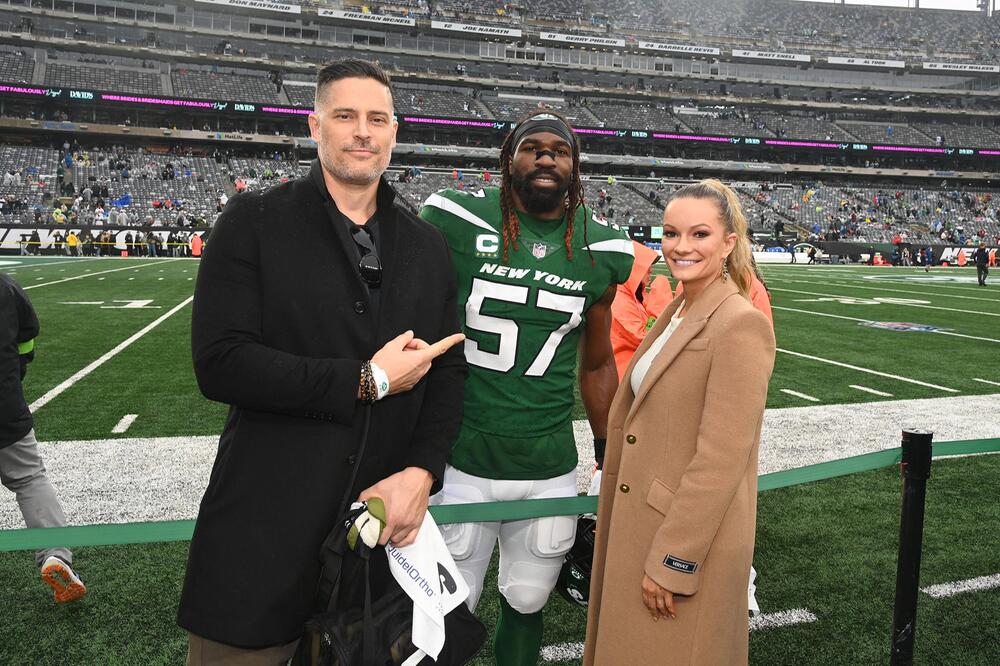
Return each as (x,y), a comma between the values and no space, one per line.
(315,297)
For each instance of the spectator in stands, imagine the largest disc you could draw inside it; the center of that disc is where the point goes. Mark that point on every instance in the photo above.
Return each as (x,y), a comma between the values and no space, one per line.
(21,468)
(297,371)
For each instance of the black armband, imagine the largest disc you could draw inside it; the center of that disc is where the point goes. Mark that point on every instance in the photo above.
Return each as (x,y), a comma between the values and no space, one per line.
(600,443)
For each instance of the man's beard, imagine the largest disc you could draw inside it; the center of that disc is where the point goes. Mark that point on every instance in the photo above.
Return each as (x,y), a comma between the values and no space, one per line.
(353,174)
(538,201)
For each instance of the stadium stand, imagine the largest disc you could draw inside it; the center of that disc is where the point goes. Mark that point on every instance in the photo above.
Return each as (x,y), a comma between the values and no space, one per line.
(232,85)
(893,133)
(107,77)
(632,115)
(438,102)
(16,66)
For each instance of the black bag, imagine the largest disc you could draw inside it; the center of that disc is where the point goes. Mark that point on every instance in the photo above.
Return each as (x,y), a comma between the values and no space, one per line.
(374,633)
(378,632)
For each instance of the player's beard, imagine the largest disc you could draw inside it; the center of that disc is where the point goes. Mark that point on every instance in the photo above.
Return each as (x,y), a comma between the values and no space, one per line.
(538,201)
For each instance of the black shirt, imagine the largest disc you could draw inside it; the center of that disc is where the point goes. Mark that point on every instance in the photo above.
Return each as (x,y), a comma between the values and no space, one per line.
(371,225)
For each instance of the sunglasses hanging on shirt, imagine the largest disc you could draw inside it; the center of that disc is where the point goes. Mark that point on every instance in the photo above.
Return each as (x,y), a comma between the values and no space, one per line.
(369,267)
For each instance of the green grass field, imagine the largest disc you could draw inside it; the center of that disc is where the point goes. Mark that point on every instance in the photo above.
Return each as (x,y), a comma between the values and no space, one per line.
(115,342)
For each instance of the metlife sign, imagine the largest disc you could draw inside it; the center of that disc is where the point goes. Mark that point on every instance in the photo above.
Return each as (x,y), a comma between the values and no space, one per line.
(771,55)
(476,29)
(961,67)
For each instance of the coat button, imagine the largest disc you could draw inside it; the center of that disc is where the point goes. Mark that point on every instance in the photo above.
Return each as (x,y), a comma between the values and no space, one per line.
(351,459)
(624,488)
(360,307)
(630,439)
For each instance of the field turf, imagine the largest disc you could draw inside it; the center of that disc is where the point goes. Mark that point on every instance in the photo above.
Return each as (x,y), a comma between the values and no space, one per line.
(828,547)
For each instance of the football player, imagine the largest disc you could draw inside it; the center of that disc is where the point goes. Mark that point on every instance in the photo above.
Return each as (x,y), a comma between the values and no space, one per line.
(537,272)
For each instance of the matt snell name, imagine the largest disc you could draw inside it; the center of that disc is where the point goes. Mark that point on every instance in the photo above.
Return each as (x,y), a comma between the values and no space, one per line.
(538,276)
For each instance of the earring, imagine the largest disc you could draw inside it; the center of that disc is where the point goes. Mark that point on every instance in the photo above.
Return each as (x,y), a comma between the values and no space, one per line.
(725,270)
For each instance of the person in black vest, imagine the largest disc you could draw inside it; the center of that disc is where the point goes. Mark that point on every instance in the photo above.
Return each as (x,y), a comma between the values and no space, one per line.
(21,468)
(982,258)
(313,310)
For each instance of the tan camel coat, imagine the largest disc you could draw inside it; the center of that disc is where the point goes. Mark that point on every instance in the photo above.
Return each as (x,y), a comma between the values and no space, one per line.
(679,490)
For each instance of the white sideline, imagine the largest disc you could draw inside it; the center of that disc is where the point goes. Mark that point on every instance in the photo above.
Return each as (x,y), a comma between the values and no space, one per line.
(783,618)
(985,381)
(567,651)
(834,316)
(58,390)
(113,270)
(138,479)
(895,291)
(943,590)
(869,371)
(52,263)
(905,305)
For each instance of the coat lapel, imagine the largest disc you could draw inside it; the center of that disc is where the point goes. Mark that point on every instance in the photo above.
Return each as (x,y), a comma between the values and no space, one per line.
(694,321)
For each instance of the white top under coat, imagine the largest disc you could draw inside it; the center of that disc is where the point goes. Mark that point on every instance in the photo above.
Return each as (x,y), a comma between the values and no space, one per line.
(642,365)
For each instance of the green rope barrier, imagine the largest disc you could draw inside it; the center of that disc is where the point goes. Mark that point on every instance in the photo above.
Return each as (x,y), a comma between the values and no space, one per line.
(181,530)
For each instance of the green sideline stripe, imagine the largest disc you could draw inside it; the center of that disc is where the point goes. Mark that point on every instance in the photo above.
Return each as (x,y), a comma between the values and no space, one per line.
(181,530)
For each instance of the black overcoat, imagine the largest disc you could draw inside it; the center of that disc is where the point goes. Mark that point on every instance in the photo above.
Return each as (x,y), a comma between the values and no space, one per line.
(281,325)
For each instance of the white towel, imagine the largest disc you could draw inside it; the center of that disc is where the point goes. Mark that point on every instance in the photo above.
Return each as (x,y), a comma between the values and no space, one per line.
(427,573)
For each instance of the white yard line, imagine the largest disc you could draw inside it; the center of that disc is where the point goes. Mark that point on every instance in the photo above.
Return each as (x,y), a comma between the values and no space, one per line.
(58,390)
(113,270)
(53,263)
(124,424)
(907,305)
(820,359)
(859,319)
(985,381)
(870,390)
(895,291)
(979,584)
(800,395)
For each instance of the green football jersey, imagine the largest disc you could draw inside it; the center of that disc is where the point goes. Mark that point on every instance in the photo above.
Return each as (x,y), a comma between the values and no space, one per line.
(522,320)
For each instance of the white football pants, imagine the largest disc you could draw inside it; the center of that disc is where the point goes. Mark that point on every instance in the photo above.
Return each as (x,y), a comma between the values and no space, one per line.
(531,551)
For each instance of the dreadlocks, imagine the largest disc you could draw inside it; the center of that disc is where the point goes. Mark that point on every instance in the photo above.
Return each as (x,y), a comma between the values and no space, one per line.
(508,212)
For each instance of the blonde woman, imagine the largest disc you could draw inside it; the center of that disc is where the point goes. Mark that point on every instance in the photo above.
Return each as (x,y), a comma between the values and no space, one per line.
(678,507)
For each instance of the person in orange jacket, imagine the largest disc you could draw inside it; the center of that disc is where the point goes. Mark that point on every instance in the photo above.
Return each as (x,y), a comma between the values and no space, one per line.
(638,302)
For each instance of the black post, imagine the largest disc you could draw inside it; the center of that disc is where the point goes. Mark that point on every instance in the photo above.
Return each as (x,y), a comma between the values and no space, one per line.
(915,470)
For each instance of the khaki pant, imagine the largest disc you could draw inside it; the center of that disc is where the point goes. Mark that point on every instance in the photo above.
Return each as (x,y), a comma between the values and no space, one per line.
(203,652)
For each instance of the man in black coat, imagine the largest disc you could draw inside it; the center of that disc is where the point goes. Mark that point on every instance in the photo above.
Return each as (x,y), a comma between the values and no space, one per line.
(982,258)
(312,308)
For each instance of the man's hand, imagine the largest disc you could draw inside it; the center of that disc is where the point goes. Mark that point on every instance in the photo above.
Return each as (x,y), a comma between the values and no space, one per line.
(659,601)
(405,495)
(406,359)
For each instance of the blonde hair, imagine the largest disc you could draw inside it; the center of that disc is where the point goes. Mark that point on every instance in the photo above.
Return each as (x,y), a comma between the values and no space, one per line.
(740,260)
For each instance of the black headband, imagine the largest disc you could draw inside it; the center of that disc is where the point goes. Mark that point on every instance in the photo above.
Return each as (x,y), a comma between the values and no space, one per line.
(544,122)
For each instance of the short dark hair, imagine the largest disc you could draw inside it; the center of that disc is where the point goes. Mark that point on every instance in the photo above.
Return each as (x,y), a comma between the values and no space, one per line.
(351,68)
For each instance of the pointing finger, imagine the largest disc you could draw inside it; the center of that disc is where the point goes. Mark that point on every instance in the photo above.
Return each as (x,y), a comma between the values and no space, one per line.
(443,345)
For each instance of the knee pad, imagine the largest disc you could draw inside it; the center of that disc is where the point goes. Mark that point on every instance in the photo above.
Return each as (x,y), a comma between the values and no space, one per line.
(531,577)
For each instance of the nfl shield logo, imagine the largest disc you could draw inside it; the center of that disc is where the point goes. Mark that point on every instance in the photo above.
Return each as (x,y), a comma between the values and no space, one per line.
(538,250)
